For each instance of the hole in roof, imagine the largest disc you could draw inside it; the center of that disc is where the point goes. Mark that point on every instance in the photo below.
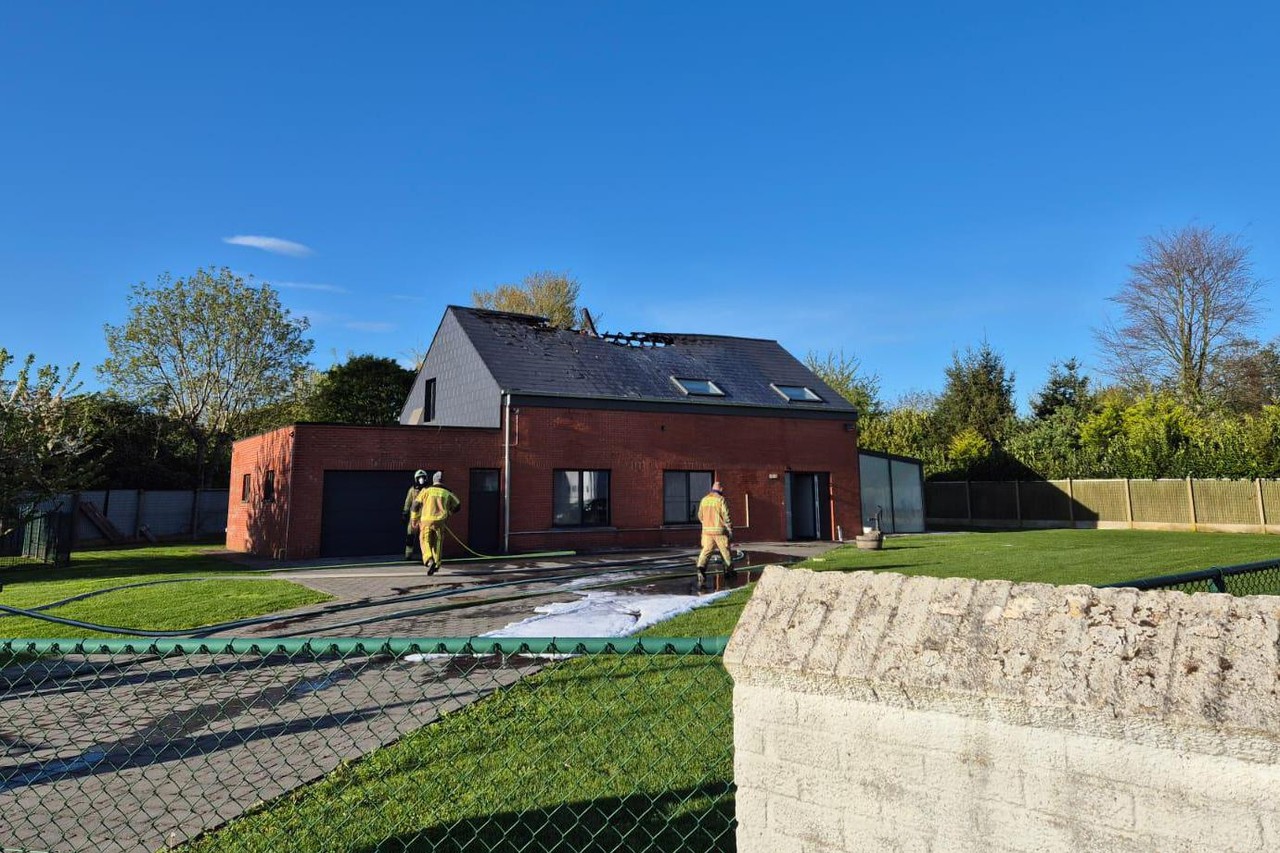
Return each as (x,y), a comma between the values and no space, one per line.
(637,339)
(797,393)
(697,387)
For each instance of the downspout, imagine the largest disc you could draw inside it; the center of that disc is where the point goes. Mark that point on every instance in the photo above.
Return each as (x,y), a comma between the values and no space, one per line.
(506,473)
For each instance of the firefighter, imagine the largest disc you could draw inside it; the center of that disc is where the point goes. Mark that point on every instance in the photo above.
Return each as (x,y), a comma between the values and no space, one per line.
(419,486)
(717,530)
(431,512)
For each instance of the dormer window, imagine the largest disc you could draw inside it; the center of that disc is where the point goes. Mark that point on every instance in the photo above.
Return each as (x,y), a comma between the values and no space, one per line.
(697,387)
(797,393)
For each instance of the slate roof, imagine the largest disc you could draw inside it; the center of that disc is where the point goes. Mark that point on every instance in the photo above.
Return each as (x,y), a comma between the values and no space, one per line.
(527,355)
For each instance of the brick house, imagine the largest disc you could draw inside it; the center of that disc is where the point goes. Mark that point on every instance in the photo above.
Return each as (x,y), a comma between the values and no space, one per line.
(563,439)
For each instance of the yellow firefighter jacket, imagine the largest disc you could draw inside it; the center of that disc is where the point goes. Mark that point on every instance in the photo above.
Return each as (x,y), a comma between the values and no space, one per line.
(713,512)
(435,504)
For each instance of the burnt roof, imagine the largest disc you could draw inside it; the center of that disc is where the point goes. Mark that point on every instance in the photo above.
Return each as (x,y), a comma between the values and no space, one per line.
(526,354)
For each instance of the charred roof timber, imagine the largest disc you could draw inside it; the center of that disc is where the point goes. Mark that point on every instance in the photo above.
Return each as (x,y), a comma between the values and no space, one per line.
(639,339)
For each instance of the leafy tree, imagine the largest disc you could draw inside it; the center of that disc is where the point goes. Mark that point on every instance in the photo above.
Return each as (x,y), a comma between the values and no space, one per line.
(844,374)
(978,395)
(1261,440)
(366,389)
(290,409)
(968,449)
(905,430)
(41,447)
(206,350)
(1102,435)
(1189,296)
(1159,433)
(1066,387)
(1155,436)
(136,448)
(553,295)
(1049,446)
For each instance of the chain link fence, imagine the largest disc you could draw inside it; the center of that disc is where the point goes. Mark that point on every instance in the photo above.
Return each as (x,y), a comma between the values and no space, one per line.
(396,745)
(1261,578)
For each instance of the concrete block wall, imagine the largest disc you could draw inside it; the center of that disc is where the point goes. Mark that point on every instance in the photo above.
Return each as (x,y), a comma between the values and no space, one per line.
(877,712)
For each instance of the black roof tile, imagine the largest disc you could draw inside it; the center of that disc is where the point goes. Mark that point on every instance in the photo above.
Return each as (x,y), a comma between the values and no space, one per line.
(526,354)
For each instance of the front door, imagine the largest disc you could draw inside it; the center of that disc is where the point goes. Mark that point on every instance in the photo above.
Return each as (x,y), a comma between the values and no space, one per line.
(808,506)
(484,511)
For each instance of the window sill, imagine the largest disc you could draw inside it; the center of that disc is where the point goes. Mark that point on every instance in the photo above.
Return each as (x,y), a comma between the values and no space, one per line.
(577,528)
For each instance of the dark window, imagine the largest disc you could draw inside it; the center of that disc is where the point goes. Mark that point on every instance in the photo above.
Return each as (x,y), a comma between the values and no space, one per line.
(681,493)
(698,387)
(269,487)
(798,393)
(429,401)
(580,498)
(245,485)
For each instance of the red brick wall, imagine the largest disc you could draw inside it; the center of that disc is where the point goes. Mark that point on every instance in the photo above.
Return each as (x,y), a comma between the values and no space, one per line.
(453,450)
(256,526)
(636,447)
(262,528)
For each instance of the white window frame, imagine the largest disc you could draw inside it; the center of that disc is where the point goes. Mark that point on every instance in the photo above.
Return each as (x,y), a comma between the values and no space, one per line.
(810,396)
(716,390)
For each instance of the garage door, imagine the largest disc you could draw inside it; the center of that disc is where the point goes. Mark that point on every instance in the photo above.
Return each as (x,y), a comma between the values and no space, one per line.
(361,513)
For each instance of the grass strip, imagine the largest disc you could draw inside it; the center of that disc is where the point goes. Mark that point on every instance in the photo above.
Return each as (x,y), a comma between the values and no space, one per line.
(167,607)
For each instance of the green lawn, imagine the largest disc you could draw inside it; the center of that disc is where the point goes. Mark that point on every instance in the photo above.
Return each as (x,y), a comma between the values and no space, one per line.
(174,606)
(1048,556)
(1056,556)
(601,753)
(607,753)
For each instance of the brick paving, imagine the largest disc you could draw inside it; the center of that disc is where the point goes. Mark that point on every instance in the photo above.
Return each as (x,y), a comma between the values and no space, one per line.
(134,753)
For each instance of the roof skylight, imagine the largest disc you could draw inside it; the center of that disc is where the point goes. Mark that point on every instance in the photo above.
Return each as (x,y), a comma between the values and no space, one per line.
(697,387)
(797,393)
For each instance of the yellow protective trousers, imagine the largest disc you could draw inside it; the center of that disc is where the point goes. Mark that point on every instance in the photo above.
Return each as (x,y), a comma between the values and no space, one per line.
(714,541)
(432,540)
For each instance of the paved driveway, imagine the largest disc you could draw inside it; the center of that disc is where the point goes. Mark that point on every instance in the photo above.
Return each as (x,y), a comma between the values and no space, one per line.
(130,753)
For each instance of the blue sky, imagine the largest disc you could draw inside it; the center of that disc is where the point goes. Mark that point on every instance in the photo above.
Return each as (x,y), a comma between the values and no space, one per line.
(898,180)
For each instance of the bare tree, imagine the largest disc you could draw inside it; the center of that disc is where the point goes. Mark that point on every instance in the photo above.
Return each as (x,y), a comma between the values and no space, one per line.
(1189,298)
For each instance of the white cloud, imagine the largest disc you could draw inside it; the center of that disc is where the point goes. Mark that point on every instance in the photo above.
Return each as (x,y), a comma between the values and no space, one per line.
(302,285)
(274,245)
(369,326)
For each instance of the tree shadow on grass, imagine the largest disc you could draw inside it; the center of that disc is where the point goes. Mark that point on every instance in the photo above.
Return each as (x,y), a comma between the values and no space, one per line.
(127,563)
(655,823)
